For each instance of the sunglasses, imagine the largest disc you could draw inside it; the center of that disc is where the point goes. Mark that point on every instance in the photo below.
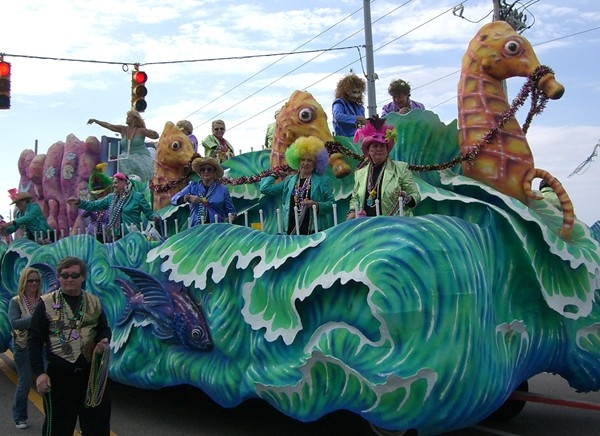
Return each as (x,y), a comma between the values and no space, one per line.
(219,129)
(67,275)
(33,280)
(207,170)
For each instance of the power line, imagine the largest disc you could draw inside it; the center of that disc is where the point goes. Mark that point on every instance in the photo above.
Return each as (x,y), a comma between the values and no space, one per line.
(48,58)
(273,63)
(347,65)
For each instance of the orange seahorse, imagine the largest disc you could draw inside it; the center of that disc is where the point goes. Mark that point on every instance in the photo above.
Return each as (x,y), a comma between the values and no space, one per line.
(497,53)
(301,116)
(173,151)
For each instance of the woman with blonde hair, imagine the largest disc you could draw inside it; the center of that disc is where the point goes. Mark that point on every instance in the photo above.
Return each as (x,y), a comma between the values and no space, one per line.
(134,157)
(215,145)
(20,309)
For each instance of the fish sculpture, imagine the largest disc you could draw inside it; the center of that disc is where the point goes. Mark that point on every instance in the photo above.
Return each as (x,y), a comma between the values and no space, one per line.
(301,116)
(169,309)
(174,152)
(498,52)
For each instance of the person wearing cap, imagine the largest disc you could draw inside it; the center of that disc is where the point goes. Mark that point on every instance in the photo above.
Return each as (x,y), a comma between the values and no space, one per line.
(99,186)
(382,184)
(208,199)
(125,207)
(30,218)
(309,187)
(187,128)
(401,102)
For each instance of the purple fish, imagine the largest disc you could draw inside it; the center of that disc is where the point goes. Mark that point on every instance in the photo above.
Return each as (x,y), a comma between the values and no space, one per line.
(168,306)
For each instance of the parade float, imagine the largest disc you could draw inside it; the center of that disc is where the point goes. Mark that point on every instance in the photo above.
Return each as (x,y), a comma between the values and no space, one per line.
(427,322)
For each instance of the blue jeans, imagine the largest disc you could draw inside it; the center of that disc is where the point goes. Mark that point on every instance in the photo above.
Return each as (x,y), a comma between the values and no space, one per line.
(21,358)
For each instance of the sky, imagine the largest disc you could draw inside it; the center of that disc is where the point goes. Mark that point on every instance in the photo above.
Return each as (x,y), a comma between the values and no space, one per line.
(236,61)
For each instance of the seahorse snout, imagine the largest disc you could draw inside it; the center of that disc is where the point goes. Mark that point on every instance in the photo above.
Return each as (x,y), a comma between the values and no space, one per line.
(551,87)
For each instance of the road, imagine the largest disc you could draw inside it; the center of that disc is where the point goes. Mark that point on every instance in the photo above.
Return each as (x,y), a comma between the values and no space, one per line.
(186,411)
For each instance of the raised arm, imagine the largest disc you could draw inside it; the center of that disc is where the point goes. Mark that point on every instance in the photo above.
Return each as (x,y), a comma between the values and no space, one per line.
(114,127)
(148,133)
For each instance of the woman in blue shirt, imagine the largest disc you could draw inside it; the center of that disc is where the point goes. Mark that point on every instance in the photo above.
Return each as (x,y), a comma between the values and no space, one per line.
(209,200)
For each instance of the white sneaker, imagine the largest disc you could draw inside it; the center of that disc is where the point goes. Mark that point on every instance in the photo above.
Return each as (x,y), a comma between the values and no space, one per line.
(21,424)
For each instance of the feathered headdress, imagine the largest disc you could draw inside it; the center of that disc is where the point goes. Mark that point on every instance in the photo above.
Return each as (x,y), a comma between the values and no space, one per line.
(99,181)
(376,131)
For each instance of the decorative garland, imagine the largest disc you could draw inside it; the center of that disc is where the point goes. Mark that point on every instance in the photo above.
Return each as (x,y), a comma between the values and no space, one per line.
(274,172)
(164,187)
(538,104)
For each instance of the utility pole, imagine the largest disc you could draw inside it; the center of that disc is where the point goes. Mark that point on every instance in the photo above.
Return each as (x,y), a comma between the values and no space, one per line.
(505,12)
(371,76)
(497,16)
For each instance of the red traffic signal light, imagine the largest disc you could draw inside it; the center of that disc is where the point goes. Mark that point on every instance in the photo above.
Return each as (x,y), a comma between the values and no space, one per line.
(4,85)
(139,90)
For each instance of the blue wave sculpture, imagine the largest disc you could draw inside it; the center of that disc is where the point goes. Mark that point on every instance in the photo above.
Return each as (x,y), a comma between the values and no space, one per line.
(428,322)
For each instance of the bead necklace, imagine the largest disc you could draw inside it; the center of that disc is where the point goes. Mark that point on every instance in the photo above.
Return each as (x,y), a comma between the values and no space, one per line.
(68,319)
(30,305)
(97,379)
(203,205)
(301,193)
(372,189)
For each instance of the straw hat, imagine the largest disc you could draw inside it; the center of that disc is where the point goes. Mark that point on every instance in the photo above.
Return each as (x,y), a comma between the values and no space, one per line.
(22,196)
(211,161)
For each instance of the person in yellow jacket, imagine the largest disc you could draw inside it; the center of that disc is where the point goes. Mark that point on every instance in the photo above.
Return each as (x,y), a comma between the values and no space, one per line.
(383,186)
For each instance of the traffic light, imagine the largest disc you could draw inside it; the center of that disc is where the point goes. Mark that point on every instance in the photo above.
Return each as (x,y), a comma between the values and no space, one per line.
(139,90)
(4,85)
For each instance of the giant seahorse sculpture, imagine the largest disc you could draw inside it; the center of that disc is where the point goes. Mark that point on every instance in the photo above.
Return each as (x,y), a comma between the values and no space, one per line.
(497,53)
(171,164)
(301,116)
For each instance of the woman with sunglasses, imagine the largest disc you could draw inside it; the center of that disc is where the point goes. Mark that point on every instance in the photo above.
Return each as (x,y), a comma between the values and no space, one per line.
(215,145)
(209,200)
(20,309)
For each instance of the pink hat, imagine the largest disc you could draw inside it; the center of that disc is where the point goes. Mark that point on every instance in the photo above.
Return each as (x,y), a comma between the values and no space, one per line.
(120,176)
(376,131)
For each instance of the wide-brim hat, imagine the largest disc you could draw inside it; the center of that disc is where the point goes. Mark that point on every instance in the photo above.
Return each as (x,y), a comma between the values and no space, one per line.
(379,138)
(22,196)
(211,161)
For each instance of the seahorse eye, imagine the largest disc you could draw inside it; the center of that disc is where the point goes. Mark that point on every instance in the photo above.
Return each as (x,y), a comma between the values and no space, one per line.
(306,114)
(512,47)
(175,145)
